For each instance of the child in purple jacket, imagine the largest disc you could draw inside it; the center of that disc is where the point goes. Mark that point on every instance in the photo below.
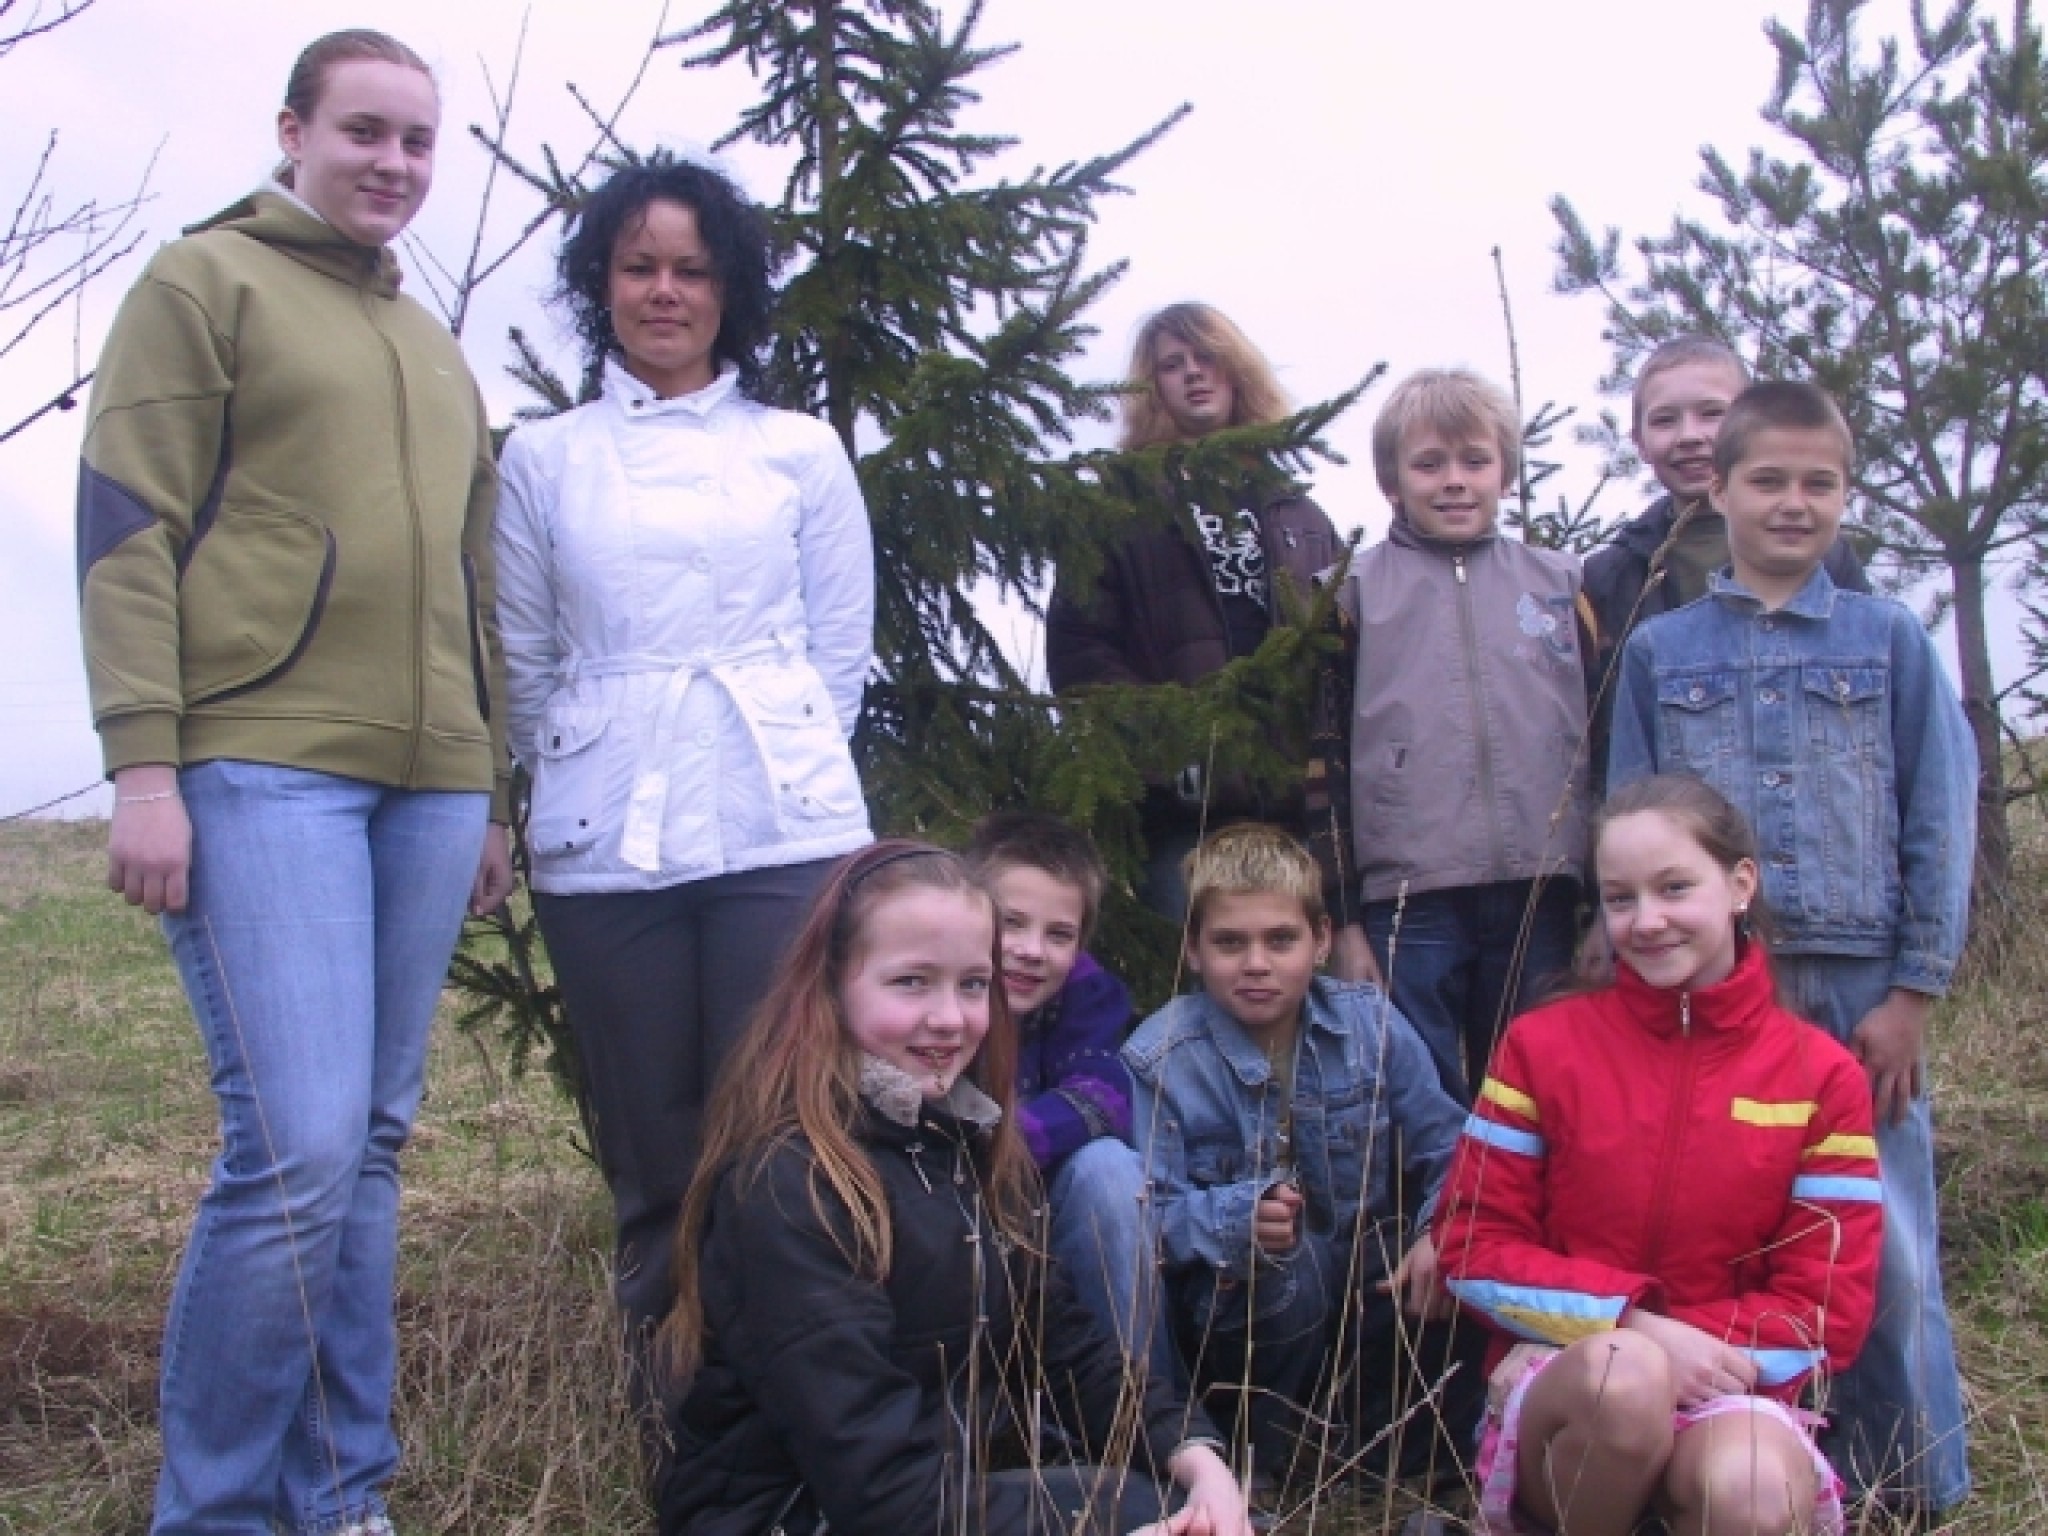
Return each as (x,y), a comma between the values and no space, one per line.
(1073,1093)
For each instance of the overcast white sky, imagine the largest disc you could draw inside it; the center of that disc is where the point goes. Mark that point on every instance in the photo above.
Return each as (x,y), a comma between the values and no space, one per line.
(1348,169)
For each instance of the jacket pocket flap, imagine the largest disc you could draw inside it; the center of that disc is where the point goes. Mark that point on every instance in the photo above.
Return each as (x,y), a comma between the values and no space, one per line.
(565,732)
(1845,685)
(1696,690)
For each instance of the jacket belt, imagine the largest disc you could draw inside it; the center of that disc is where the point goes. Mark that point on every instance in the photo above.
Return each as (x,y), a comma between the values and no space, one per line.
(647,807)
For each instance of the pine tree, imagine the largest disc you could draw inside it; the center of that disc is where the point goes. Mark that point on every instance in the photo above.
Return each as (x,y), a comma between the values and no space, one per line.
(1895,257)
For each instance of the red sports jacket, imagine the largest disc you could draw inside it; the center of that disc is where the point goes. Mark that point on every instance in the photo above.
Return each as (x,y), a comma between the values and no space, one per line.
(1705,1154)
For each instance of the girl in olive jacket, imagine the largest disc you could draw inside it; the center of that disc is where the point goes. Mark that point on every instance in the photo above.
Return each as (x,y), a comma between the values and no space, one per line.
(285,570)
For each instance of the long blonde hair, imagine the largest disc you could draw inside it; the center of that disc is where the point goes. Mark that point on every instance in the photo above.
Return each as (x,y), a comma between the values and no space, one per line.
(1255,394)
(795,1074)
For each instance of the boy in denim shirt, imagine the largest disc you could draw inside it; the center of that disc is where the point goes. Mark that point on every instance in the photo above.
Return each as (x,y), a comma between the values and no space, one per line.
(1825,717)
(1266,1109)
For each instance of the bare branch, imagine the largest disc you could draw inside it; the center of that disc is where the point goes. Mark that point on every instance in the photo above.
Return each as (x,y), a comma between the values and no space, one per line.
(502,105)
(34,24)
(557,188)
(64,400)
(106,236)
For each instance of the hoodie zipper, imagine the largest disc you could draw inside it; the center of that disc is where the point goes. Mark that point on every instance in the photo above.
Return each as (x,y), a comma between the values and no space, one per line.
(403,426)
(1674,1138)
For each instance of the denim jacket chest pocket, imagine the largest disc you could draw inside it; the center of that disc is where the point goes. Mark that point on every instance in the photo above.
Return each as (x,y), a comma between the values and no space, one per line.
(1223,1149)
(1848,834)
(1698,719)
(1217,1159)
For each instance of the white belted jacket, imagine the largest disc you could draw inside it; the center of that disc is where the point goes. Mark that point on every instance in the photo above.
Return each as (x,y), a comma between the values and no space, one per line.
(686,594)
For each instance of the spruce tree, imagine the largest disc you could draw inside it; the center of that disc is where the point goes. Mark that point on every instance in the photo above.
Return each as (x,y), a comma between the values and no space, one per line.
(1894,255)
(932,312)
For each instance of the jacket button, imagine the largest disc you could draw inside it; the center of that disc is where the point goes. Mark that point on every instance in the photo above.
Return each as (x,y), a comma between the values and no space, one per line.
(1696,695)
(1766,696)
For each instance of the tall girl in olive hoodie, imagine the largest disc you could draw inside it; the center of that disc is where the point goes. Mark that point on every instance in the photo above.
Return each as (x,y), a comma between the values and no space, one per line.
(285,572)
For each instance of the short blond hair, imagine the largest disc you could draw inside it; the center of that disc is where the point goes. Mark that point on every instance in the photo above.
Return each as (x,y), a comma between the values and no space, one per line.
(1252,856)
(1682,352)
(1256,396)
(1454,403)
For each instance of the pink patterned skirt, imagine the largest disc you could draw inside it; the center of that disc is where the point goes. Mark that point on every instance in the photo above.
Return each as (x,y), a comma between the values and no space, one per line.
(1499,1458)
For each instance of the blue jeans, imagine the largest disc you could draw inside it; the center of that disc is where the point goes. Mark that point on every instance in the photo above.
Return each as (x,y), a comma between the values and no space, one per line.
(1104,1243)
(322,915)
(1260,1354)
(1462,964)
(1896,1416)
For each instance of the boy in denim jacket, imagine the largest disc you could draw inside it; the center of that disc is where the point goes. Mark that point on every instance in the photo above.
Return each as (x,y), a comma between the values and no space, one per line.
(1266,1109)
(1824,715)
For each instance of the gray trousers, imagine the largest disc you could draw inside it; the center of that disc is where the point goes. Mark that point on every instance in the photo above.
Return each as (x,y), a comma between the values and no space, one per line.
(658,986)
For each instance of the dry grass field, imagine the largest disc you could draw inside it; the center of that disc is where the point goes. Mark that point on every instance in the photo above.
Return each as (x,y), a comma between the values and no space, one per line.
(509,1393)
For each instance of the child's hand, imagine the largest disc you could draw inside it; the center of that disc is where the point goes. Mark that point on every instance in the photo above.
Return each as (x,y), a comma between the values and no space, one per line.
(1888,1042)
(1276,1223)
(1215,1504)
(1702,1367)
(1418,1281)
(1351,956)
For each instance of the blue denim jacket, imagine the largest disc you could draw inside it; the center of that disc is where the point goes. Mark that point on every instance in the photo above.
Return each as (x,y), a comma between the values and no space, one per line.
(1830,724)
(1207,1121)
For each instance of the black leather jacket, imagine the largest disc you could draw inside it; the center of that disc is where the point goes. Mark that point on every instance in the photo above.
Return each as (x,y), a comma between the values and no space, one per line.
(879,1405)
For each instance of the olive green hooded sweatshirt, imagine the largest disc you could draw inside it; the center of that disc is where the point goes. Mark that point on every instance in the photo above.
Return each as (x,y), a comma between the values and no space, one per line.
(284,517)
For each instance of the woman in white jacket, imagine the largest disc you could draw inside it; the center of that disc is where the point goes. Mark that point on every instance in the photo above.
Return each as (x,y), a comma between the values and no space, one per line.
(686,592)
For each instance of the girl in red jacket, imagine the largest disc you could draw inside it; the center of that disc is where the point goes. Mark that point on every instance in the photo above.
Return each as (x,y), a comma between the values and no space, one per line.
(1666,1205)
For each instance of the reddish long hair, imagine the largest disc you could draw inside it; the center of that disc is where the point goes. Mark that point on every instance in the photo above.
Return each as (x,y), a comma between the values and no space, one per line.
(795,1075)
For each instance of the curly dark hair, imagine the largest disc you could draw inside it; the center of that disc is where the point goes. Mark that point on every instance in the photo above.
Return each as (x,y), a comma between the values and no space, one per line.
(731,227)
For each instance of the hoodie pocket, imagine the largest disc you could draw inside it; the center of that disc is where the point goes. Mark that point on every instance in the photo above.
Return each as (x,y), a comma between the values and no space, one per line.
(250,600)
(569,785)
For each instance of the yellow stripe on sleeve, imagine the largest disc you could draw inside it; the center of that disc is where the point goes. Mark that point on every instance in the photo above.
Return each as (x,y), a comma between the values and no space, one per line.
(1843,1146)
(1756,1112)
(1509,1098)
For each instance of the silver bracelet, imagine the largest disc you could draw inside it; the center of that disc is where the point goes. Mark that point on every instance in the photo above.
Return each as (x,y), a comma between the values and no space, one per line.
(162,794)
